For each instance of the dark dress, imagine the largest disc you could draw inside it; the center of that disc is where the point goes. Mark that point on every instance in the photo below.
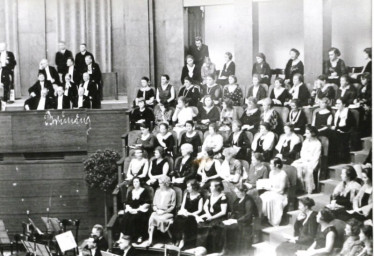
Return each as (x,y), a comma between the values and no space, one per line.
(196,75)
(306,233)
(226,71)
(137,114)
(136,225)
(148,144)
(321,122)
(236,96)
(328,93)
(193,94)
(146,95)
(195,141)
(262,69)
(283,97)
(199,54)
(164,95)
(187,226)
(290,70)
(211,233)
(169,142)
(288,155)
(186,171)
(157,169)
(252,119)
(213,115)
(299,120)
(215,92)
(242,142)
(340,69)
(321,236)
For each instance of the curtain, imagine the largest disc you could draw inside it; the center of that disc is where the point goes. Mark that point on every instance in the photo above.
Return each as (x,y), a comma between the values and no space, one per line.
(195,24)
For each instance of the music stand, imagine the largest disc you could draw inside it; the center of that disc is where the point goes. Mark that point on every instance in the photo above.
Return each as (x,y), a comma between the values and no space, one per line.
(36,249)
(52,224)
(35,227)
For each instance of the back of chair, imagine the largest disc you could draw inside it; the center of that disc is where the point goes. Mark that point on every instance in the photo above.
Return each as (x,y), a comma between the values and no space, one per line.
(170,162)
(172,250)
(325,145)
(246,167)
(300,137)
(178,197)
(249,136)
(239,111)
(271,88)
(339,226)
(291,174)
(201,135)
(356,116)
(282,112)
(308,111)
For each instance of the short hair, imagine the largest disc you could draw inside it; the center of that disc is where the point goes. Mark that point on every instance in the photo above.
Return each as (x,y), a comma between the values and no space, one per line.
(344,102)
(189,122)
(277,162)
(322,78)
(165,103)
(161,150)
(295,51)
(188,147)
(312,129)
(84,44)
(280,80)
(366,76)
(369,173)
(346,77)
(211,76)
(187,78)
(194,184)
(229,151)
(70,58)
(350,172)
(237,123)
(241,187)
(368,51)
(165,180)
(234,77)
(290,125)
(229,103)
(141,100)
(327,215)
(144,125)
(166,76)
(229,54)
(214,126)
(164,125)
(368,231)
(266,125)
(206,97)
(256,76)
(325,100)
(335,50)
(258,156)
(145,79)
(261,55)
(198,38)
(139,179)
(41,73)
(183,99)
(268,101)
(99,228)
(88,56)
(253,100)
(219,184)
(308,202)
(296,102)
(299,76)
(355,226)
(190,57)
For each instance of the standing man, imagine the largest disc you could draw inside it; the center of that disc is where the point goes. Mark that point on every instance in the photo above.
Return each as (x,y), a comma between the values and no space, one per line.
(7,62)
(61,57)
(5,82)
(80,62)
(93,69)
(199,51)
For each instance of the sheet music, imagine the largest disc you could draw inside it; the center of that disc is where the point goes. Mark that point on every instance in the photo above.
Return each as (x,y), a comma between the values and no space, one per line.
(66,241)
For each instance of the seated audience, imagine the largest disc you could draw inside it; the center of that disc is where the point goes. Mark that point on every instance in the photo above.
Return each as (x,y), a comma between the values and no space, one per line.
(138,166)
(146,140)
(275,198)
(208,113)
(239,141)
(185,225)
(61,101)
(36,89)
(82,101)
(166,91)
(289,145)
(323,89)
(40,103)
(231,168)
(305,229)
(262,68)
(238,227)
(270,115)
(141,115)
(191,137)
(346,92)
(165,139)
(364,100)
(233,91)
(228,115)
(322,119)
(190,92)
(264,142)
(158,167)
(182,114)
(251,117)
(299,90)
(309,159)
(70,89)
(212,89)
(279,95)
(343,125)
(257,170)
(210,223)
(136,213)
(163,207)
(145,92)
(335,67)
(257,90)
(367,164)
(297,117)
(208,68)
(293,66)
(366,237)
(362,206)
(191,70)
(352,245)
(208,168)
(91,90)
(184,167)
(213,140)
(326,237)
(163,113)
(227,70)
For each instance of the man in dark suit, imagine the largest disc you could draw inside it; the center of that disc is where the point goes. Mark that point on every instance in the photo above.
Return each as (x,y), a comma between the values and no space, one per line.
(91,90)
(346,92)
(61,57)
(72,70)
(81,101)
(70,88)
(93,69)
(80,62)
(61,101)
(49,72)
(97,232)
(5,82)
(8,61)
(90,248)
(36,89)
(40,103)
(124,244)
(199,51)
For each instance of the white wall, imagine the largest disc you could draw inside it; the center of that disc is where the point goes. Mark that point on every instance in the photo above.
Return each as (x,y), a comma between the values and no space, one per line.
(280,29)
(351,29)
(219,32)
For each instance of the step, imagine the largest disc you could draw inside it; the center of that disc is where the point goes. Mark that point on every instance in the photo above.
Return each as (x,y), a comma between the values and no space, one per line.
(320,199)
(328,186)
(276,234)
(358,157)
(367,143)
(335,171)
(264,248)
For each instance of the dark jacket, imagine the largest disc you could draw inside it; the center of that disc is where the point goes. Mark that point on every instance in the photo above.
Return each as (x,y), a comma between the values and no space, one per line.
(77,77)
(86,102)
(262,69)
(61,59)
(11,61)
(242,142)
(196,74)
(290,70)
(261,93)
(5,77)
(349,96)
(199,55)
(304,95)
(34,102)
(80,62)
(93,93)
(65,102)
(72,91)
(340,68)
(53,73)
(36,88)
(96,73)
(308,231)
(188,170)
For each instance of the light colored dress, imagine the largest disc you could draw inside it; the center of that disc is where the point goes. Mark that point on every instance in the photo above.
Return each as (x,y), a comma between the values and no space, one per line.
(273,202)
(186,114)
(164,200)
